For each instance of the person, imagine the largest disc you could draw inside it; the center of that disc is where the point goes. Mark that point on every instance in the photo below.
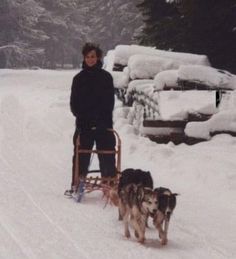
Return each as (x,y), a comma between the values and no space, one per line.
(92,103)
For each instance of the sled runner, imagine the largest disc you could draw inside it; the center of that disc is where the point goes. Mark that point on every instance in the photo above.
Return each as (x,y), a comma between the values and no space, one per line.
(93,182)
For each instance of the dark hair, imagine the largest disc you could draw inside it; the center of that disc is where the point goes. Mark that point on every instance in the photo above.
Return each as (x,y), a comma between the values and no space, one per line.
(91,46)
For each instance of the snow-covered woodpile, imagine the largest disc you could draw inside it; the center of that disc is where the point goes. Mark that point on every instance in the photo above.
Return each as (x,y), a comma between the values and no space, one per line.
(173,96)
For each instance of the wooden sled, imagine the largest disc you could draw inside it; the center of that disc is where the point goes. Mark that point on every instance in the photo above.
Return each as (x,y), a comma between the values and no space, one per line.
(92,182)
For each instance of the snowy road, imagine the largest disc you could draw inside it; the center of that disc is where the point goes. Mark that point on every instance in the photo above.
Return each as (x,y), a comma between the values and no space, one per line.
(37,222)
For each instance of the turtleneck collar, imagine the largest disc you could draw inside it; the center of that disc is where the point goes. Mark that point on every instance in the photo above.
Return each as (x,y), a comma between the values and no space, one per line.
(97,66)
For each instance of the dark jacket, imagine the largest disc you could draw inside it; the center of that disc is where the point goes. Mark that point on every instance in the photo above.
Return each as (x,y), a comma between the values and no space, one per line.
(92,97)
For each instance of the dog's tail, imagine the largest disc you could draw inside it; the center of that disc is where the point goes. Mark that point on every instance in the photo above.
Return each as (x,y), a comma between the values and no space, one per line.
(111,196)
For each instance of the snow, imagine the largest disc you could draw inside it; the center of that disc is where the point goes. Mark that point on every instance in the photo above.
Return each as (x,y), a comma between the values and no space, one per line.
(167,78)
(176,105)
(109,60)
(209,76)
(120,78)
(167,72)
(144,66)
(167,68)
(38,222)
(142,85)
(172,105)
(124,52)
(222,121)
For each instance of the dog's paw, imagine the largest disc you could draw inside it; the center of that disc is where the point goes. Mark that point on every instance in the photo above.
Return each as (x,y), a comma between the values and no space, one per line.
(164,241)
(141,240)
(127,234)
(161,235)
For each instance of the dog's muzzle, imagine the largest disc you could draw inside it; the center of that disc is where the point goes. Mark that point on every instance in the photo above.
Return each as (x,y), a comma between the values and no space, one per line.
(153,213)
(168,214)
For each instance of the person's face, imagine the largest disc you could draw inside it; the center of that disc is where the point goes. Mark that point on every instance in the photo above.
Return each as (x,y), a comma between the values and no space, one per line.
(91,58)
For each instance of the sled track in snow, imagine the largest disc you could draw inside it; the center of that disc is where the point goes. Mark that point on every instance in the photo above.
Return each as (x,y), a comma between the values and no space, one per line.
(27,204)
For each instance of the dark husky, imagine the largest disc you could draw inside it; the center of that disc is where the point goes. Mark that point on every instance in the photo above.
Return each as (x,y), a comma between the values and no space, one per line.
(136,203)
(136,176)
(128,176)
(166,205)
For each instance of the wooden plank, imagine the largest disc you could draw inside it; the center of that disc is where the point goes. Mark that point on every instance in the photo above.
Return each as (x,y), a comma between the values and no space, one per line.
(232,133)
(198,117)
(165,124)
(118,67)
(190,85)
(176,123)
(175,138)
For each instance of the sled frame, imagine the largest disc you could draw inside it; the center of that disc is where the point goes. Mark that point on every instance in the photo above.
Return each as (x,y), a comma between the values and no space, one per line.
(93,183)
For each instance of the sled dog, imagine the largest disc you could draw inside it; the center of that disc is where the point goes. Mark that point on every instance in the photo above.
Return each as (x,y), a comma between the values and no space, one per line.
(129,176)
(136,176)
(166,205)
(136,203)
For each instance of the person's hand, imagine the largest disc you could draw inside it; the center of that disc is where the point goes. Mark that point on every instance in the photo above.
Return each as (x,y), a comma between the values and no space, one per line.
(79,130)
(101,127)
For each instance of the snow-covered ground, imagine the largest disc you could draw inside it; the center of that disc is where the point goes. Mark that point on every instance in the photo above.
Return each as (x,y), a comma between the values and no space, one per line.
(38,222)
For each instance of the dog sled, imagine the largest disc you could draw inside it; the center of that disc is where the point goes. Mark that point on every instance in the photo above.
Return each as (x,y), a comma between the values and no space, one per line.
(94,181)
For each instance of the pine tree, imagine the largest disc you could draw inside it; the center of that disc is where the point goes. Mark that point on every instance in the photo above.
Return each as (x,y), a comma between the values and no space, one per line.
(211,30)
(110,22)
(196,26)
(163,25)
(20,39)
(55,30)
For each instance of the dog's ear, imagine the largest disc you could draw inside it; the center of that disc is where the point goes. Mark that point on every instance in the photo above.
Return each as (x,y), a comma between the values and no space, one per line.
(134,187)
(155,191)
(140,193)
(175,194)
